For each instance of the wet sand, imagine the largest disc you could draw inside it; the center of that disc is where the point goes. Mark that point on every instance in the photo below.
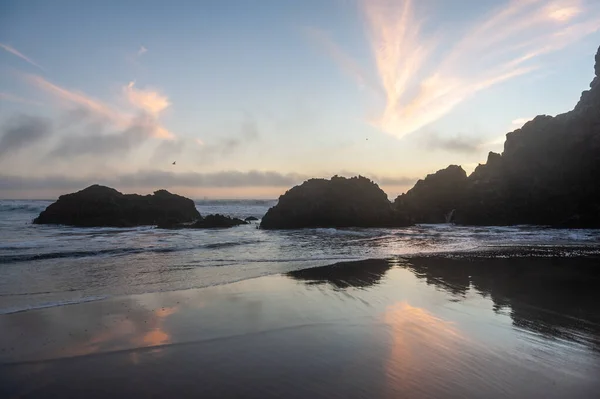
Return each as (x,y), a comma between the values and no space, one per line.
(419,327)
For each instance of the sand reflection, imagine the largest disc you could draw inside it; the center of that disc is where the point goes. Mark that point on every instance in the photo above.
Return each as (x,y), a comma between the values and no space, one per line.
(422,345)
(141,329)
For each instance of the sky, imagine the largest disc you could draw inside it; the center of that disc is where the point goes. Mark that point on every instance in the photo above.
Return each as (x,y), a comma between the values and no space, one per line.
(240,99)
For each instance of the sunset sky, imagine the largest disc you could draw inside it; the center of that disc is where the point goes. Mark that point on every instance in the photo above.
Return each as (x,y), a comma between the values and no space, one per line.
(252,97)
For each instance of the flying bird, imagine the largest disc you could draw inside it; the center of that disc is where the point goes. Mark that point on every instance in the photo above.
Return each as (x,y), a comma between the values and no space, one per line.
(174,162)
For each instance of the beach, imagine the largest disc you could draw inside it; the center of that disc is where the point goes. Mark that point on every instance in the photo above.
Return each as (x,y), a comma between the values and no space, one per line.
(451,326)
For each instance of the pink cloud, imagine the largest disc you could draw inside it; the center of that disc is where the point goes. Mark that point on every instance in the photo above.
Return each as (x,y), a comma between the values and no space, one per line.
(422,78)
(148,100)
(119,118)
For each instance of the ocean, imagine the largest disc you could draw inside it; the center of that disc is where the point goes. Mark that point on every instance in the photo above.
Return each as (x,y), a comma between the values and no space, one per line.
(50,266)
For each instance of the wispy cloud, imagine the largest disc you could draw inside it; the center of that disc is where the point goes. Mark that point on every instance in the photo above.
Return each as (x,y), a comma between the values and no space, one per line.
(142,51)
(17,99)
(22,56)
(146,102)
(208,152)
(423,76)
(460,143)
(347,63)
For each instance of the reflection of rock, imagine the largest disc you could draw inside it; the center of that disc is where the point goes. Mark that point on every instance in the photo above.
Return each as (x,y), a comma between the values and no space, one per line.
(345,274)
(554,296)
(339,202)
(98,206)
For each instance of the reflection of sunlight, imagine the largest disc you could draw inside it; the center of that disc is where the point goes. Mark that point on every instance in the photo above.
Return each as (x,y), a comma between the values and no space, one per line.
(141,331)
(421,344)
(156,337)
(164,312)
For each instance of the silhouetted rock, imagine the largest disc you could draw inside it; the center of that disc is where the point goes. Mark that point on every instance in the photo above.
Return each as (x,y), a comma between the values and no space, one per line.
(211,221)
(208,222)
(548,174)
(434,199)
(339,202)
(100,206)
(251,219)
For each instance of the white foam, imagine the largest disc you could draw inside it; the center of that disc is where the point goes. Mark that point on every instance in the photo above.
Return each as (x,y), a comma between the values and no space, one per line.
(45,305)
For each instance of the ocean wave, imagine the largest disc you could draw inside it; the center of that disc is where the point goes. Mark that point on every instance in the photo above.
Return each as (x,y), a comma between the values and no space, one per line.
(22,207)
(228,244)
(25,308)
(81,254)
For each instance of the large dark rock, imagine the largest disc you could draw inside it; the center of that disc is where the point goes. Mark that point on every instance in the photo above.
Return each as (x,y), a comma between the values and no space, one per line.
(100,206)
(434,199)
(339,202)
(548,174)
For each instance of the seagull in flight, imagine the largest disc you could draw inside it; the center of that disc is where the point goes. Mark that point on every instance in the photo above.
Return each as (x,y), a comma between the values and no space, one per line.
(174,162)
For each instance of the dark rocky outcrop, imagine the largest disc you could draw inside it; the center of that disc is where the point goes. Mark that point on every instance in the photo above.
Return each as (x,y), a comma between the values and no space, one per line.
(548,174)
(100,206)
(208,222)
(251,219)
(212,221)
(435,198)
(339,202)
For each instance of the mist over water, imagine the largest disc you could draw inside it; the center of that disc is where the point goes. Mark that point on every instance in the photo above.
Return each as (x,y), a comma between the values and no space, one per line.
(45,266)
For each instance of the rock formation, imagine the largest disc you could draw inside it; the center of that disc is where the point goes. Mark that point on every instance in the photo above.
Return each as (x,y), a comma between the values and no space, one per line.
(339,202)
(212,221)
(548,174)
(100,206)
(434,199)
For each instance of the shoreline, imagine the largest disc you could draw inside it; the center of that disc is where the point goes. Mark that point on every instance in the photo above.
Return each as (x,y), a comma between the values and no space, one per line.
(575,251)
(378,326)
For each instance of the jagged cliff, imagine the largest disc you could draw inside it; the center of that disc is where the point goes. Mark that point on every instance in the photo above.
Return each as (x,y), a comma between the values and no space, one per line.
(548,174)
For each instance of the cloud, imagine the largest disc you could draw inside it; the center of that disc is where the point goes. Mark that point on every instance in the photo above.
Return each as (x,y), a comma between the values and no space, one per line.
(147,100)
(98,140)
(457,143)
(163,179)
(157,179)
(17,99)
(520,121)
(22,131)
(22,56)
(141,51)
(73,97)
(142,100)
(422,78)
(394,181)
